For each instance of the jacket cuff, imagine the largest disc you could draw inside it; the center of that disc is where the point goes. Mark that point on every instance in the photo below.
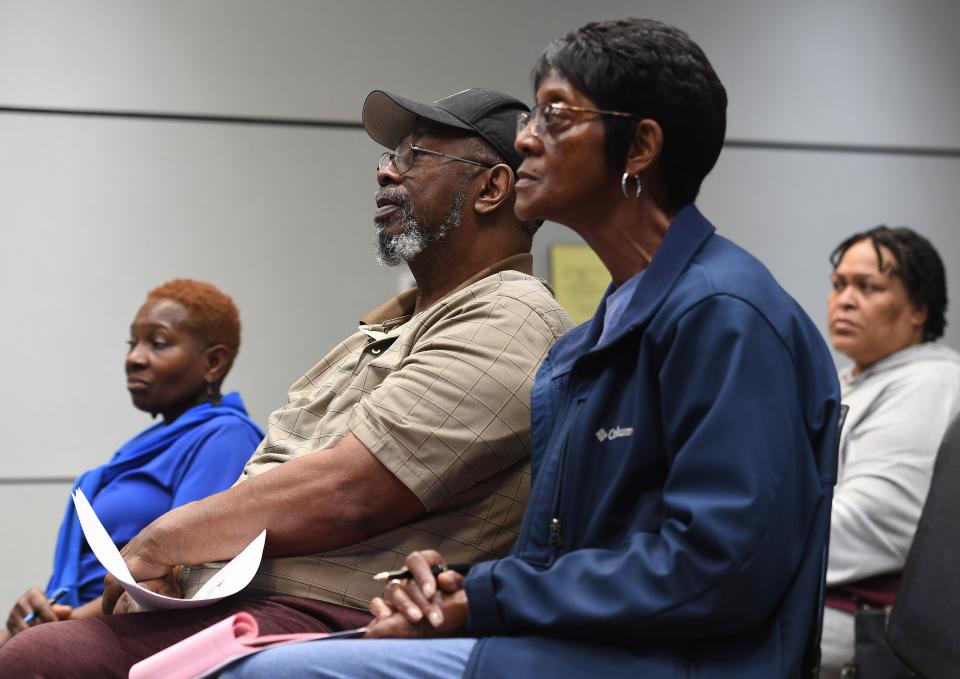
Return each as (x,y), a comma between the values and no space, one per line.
(483,615)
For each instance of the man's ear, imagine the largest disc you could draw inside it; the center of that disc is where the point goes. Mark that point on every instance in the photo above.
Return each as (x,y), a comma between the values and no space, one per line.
(497,187)
(645,147)
(215,363)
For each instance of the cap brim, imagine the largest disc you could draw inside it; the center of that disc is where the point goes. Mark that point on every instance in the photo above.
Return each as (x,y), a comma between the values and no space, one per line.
(389,118)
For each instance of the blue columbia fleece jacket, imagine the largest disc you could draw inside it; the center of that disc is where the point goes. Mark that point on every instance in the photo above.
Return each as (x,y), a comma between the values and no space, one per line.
(682,475)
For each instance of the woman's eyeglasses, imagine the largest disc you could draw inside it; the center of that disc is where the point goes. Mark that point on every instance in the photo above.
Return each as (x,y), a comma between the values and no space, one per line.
(545,117)
(405,155)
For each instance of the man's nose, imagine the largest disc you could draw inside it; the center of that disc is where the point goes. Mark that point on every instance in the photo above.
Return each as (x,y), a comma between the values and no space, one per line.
(387,174)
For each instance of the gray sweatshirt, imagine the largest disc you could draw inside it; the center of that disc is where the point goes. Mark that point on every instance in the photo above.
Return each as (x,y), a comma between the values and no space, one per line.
(900,408)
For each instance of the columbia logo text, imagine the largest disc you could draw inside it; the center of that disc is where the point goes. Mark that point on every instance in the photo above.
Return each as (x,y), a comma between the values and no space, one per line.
(613,433)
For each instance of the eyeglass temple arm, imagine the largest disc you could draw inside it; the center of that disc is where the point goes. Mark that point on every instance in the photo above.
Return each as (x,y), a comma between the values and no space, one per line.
(446,155)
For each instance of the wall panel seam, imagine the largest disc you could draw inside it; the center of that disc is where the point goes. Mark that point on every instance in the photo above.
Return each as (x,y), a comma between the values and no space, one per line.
(751,144)
(36,480)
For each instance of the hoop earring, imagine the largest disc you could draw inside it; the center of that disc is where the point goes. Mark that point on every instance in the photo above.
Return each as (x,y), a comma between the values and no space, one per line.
(623,186)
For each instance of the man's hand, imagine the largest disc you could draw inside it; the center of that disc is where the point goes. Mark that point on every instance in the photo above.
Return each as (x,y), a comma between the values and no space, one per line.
(166,586)
(124,603)
(146,568)
(35,601)
(425,606)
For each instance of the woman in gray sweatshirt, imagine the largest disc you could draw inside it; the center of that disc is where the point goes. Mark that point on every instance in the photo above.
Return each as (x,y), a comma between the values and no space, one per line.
(886,310)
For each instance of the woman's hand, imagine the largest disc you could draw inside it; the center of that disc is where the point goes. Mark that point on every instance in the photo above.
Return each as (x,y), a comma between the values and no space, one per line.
(36,602)
(396,625)
(424,606)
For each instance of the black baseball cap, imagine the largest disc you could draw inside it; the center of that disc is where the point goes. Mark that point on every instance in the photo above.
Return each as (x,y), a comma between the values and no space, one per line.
(388,118)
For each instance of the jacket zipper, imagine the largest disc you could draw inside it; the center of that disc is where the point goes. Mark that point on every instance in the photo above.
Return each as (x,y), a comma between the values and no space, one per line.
(554,541)
(554,535)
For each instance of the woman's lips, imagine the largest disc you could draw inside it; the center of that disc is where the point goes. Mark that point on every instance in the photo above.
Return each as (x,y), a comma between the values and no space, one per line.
(137,385)
(525,179)
(843,326)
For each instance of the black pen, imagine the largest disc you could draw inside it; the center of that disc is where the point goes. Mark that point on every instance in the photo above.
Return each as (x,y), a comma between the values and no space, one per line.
(404,574)
(59,594)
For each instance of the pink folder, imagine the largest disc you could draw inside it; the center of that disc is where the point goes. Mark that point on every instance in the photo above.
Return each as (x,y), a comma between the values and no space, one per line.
(216,646)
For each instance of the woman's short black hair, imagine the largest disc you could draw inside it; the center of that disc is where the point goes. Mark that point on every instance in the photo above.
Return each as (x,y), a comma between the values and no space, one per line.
(656,71)
(917,264)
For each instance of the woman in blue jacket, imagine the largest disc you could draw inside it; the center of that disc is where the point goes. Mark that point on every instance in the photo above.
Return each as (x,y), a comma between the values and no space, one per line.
(183,341)
(682,439)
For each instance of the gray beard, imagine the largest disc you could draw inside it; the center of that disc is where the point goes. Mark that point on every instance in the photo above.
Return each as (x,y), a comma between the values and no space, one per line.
(396,249)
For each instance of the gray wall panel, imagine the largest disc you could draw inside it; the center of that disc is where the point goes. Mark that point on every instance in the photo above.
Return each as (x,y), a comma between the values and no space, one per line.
(96,212)
(792,208)
(866,71)
(31,514)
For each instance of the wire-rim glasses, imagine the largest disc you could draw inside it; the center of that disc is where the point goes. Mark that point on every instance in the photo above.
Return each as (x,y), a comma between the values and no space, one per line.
(405,155)
(543,117)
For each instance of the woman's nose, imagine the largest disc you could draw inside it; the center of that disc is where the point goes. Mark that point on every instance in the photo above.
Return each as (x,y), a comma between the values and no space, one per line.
(136,357)
(526,142)
(846,297)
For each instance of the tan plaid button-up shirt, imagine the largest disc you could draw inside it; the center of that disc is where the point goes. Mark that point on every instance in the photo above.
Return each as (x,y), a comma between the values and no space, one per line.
(443,401)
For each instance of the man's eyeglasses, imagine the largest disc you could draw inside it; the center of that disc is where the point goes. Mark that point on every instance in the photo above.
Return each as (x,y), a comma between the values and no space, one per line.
(405,155)
(547,117)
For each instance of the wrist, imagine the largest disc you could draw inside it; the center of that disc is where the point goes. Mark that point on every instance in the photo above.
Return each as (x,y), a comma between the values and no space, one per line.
(148,554)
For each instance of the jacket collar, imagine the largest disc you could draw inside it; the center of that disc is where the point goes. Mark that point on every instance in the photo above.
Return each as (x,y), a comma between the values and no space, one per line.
(685,236)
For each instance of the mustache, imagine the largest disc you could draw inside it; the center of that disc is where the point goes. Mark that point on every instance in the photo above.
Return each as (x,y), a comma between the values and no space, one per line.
(393,194)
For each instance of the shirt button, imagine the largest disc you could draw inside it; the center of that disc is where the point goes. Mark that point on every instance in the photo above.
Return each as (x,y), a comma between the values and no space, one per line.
(375,351)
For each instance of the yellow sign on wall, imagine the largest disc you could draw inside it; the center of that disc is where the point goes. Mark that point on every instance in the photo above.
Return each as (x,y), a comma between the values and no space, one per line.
(579,279)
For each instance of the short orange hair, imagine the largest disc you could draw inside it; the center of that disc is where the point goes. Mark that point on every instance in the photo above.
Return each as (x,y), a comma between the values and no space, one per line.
(213,319)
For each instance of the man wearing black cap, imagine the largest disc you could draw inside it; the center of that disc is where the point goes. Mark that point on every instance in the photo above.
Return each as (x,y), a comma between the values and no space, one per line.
(412,433)
(464,144)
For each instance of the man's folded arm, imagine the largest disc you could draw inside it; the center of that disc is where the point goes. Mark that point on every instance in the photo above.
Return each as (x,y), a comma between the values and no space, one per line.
(310,504)
(464,387)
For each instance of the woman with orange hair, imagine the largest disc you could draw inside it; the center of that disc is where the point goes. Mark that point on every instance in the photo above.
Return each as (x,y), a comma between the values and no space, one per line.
(183,341)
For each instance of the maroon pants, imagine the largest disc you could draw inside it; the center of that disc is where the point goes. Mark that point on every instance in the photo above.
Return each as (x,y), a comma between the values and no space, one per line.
(111,645)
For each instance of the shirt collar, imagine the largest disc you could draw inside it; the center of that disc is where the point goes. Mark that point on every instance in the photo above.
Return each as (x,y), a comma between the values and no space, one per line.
(397,310)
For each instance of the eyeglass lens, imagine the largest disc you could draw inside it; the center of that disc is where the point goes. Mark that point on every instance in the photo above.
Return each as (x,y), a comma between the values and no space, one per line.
(401,158)
(523,119)
(539,119)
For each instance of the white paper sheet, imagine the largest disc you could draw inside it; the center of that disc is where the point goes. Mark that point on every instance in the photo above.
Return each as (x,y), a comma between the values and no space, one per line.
(229,580)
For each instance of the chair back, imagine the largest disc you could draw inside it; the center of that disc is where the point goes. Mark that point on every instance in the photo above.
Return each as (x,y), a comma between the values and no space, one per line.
(810,665)
(924,627)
